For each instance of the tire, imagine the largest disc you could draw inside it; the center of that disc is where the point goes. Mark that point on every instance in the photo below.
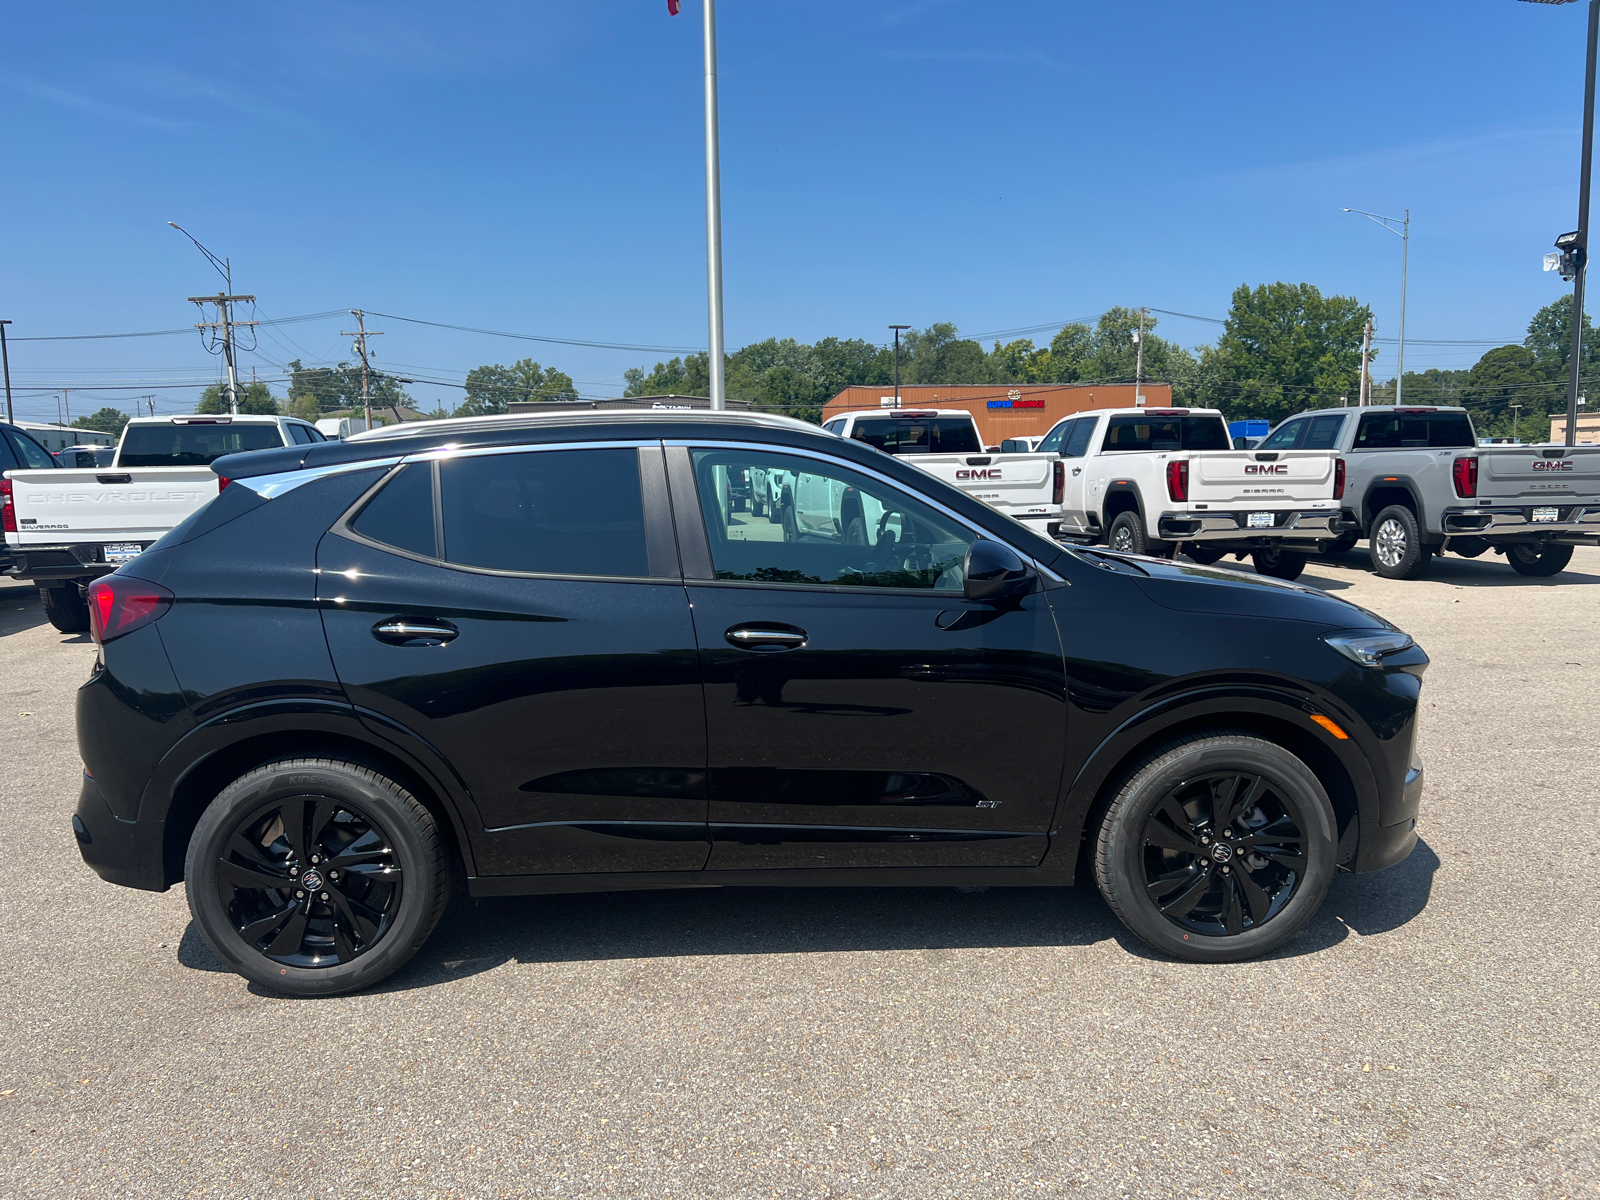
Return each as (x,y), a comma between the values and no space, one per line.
(1538,561)
(1182,890)
(1395,544)
(791,527)
(1469,547)
(1342,544)
(383,903)
(1279,563)
(1204,555)
(66,607)
(1127,536)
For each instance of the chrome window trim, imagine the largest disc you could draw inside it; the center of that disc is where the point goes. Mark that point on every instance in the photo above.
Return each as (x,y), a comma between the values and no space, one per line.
(895,484)
(269,487)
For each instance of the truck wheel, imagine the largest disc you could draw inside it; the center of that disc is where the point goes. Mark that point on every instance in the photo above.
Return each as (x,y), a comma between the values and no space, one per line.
(315,877)
(1279,563)
(1220,847)
(791,527)
(1538,561)
(67,609)
(1469,547)
(1204,555)
(1127,536)
(1395,545)
(1342,544)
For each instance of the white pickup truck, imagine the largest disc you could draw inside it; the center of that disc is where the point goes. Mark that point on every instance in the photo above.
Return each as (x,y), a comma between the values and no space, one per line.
(67,527)
(945,443)
(1156,480)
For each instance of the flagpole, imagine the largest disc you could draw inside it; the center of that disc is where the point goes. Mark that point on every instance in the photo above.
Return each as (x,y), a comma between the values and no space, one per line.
(719,397)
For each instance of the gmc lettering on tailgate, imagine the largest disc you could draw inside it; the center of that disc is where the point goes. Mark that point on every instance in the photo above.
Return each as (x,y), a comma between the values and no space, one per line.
(1552,464)
(981,473)
(1266,469)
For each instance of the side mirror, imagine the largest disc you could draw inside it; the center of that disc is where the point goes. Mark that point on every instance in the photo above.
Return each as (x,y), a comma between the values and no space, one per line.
(994,571)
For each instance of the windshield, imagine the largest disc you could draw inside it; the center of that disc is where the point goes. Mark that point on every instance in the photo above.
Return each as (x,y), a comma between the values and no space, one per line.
(919,435)
(1166,433)
(192,445)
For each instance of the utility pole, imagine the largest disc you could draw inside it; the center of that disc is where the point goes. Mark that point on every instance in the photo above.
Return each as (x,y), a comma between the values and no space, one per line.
(6,359)
(149,400)
(224,301)
(1400,362)
(66,404)
(1366,365)
(897,329)
(719,386)
(1138,370)
(361,335)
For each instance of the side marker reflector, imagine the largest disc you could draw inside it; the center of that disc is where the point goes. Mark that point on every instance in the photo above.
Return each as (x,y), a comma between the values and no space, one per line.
(1328,724)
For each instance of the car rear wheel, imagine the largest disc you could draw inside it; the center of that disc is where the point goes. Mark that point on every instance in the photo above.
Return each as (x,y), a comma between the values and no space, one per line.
(1395,544)
(1279,563)
(66,607)
(1219,847)
(315,877)
(1539,561)
(1127,536)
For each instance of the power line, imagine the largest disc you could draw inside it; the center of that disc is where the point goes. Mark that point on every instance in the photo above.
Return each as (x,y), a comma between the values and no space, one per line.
(536,337)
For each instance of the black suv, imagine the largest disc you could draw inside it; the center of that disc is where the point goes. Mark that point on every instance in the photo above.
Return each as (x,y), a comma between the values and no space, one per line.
(550,649)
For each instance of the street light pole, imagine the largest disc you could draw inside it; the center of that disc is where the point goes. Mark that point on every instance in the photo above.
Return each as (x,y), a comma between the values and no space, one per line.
(719,394)
(897,329)
(1404,234)
(224,268)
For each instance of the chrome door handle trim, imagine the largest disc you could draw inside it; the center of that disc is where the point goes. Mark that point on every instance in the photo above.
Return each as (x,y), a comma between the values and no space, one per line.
(747,638)
(404,631)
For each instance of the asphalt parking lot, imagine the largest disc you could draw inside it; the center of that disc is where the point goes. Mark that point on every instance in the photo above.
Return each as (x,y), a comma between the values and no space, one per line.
(1436,1032)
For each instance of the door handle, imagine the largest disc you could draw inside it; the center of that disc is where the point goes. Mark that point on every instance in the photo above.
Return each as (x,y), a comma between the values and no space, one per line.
(766,638)
(399,632)
(1077,470)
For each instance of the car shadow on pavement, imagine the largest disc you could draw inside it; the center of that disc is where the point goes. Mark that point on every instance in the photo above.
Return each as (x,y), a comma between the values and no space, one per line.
(20,610)
(1488,570)
(478,936)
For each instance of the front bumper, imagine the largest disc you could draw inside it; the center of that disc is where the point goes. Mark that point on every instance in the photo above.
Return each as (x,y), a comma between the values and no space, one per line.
(1393,836)
(1293,525)
(1514,522)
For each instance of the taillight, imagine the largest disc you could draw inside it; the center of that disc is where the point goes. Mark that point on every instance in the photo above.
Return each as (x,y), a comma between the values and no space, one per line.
(119,604)
(1058,488)
(8,510)
(1465,473)
(222,482)
(1178,480)
(1338,479)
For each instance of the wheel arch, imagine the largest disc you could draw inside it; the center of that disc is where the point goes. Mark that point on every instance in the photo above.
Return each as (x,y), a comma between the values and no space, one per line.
(1120,498)
(210,757)
(1277,718)
(1401,490)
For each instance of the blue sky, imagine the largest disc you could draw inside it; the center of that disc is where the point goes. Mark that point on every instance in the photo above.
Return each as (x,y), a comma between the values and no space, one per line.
(537,167)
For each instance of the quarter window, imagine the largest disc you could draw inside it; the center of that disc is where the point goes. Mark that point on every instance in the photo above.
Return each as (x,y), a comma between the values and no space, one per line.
(827,525)
(401,515)
(1284,437)
(546,512)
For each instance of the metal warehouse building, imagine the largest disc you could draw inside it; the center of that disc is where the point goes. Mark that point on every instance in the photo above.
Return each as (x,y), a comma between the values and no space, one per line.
(1023,410)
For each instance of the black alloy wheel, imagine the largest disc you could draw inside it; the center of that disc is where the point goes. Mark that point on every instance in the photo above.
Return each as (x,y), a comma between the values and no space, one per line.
(1278,563)
(315,876)
(1219,847)
(1538,561)
(309,881)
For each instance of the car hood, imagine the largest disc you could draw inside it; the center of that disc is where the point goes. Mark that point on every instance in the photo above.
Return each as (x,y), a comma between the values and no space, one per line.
(1188,588)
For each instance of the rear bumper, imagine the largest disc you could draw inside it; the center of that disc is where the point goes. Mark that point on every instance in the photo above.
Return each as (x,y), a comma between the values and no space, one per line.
(1514,522)
(50,566)
(1234,526)
(121,852)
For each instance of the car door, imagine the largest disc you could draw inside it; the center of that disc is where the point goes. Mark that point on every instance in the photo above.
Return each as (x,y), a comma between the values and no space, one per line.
(859,711)
(1074,491)
(522,612)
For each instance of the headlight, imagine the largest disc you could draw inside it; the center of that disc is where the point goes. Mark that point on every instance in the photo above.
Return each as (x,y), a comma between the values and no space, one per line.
(1369,649)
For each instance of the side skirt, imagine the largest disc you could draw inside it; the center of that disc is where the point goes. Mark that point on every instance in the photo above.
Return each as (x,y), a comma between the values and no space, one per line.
(628,881)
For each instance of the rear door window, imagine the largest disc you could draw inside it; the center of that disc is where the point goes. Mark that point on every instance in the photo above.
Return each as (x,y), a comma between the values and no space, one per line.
(1057,437)
(301,434)
(1285,437)
(919,435)
(1322,433)
(1077,443)
(192,445)
(546,512)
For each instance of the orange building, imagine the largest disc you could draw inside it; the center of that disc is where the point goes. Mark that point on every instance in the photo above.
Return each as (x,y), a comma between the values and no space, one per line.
(1002,410)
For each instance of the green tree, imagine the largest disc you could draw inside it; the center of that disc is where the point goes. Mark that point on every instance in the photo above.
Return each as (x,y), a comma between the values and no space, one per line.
(938,354)
(491,388)
(1549,339)
(1285,348)
(325,390)
(107,420)
(1505,376)
(255,399)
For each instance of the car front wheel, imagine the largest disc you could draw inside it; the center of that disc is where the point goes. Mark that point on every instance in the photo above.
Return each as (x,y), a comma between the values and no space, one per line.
(1219,847)
(315,877)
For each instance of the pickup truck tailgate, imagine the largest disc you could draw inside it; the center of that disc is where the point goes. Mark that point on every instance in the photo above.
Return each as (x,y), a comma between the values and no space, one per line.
(1255,477)
(1532,472)
(1013,483)
(105,505)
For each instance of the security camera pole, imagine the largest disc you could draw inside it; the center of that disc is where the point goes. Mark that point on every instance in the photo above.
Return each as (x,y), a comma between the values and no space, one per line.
(897,329)
(1574,247)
